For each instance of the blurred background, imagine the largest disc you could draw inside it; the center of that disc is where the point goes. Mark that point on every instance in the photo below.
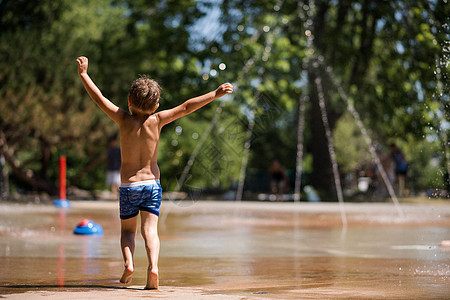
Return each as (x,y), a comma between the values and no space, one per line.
(320,87)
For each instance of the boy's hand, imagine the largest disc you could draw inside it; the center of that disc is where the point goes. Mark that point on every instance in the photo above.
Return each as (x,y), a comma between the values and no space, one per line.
(82,64)
(224,89)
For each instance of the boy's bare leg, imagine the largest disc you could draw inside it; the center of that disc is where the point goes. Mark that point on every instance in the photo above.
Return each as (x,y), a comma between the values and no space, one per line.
(149,230)
(127,243)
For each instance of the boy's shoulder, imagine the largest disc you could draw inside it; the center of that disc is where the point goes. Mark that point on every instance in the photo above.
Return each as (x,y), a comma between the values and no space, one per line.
(133,120)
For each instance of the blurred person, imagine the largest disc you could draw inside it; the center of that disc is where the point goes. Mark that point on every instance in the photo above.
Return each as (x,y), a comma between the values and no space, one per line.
(4,188)
(400,168)
(278,178)
(140,191)
(113,161)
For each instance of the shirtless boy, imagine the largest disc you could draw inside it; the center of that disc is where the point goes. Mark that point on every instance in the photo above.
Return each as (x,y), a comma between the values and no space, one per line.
(140,191)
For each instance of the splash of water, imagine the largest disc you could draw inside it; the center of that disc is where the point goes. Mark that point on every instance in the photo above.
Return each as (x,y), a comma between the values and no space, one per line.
(199,145)
(245,156)
(184,175)
(320,60)
(366,136)
(302,100)
(337,180)
(300,129)
(265,57)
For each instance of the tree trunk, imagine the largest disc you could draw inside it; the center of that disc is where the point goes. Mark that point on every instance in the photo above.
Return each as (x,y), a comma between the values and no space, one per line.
(362,59)
(21,173)
(322,176)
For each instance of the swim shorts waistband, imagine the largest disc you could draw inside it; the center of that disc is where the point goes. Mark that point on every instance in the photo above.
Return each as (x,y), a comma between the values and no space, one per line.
(139,183)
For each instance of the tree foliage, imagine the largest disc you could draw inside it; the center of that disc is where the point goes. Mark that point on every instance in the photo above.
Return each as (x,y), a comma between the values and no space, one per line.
(44,110)
(390,58)
(384,54)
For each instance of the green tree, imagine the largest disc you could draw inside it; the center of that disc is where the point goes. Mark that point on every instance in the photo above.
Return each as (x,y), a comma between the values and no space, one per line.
(384,55)
(43,114)
(390,58)
(45,111)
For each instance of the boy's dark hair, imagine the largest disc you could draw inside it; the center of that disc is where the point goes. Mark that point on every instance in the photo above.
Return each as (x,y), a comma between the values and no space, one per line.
(144,94)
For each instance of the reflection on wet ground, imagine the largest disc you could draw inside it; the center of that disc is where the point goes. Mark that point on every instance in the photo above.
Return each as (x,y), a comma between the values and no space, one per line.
(252,250)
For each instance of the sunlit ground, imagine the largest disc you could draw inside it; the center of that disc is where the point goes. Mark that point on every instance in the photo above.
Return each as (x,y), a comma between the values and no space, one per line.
(233,250)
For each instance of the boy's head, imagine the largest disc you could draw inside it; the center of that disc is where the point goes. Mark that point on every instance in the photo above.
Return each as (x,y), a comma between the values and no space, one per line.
(144,94)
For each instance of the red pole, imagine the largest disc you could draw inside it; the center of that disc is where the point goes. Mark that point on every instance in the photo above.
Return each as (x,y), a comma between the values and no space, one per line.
(62,178)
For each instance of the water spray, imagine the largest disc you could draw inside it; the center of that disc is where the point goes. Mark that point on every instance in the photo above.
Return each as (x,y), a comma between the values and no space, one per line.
(337,180)
(367,139)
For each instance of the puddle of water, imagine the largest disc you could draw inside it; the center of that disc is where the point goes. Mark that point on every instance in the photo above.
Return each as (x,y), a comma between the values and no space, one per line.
(250,251)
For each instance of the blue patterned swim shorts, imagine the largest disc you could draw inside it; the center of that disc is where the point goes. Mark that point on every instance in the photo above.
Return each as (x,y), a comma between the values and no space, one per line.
(142,195)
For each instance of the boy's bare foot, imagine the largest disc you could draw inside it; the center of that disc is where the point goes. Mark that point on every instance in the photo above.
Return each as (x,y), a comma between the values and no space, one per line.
(127,275)
(152,280)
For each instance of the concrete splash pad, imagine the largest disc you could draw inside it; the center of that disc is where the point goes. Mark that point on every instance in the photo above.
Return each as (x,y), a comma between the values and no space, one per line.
(227,250)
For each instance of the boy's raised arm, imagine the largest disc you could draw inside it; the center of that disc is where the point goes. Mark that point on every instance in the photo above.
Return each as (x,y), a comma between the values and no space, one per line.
(193,104)
(113,111)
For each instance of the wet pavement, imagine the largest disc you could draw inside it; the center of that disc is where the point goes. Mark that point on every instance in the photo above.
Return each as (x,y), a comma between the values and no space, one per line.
(248,250)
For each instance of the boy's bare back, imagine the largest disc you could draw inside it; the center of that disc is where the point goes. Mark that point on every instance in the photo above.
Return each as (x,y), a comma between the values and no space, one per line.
(140,131)
(139,140)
